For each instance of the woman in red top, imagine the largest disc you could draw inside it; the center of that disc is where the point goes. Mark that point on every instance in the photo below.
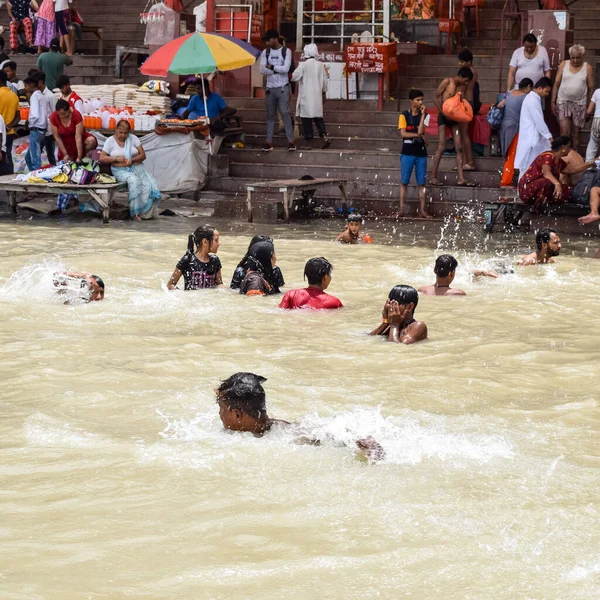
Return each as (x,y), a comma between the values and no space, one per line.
(318,273)
(73,141)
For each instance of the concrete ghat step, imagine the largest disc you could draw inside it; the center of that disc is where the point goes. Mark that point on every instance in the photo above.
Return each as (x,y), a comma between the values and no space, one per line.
(349,158)
(361,130)
(331,115)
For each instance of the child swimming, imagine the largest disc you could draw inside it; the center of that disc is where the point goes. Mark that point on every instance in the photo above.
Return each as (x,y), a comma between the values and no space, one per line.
(240,271)
(82,287)
(352,234)
(200,269)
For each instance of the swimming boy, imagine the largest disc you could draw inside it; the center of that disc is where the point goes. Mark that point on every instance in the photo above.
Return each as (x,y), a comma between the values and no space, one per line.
(352,234)
(465,59)
(447,89)
(318,273)
(412,124)
(548,245)
(242,407)
(90,288)
(445,267)
(398,322)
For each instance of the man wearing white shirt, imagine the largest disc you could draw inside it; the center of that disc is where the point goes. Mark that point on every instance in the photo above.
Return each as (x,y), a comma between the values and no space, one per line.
(48,142)
(39,112)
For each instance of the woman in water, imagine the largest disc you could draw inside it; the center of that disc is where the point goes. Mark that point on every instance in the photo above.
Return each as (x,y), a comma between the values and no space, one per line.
(200,269)
(240,270)
(259,279)
(124,153)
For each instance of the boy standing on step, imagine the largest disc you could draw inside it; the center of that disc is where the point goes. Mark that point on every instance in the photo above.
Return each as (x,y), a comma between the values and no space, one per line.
(465,59)
(275,64)
(412,124)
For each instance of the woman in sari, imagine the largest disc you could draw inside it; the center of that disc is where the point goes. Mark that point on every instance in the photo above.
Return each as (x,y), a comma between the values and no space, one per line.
(45,29)
(124,153)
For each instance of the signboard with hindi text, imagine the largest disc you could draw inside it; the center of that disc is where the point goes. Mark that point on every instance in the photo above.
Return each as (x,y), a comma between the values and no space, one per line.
(371,58)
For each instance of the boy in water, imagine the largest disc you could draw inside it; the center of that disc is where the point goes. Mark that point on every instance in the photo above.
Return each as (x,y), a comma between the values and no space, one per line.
(398,321)
(318,273)
(352,234)
(90,288)
(412,125)
(465,59)
(445,267)
(242,407)
(548,245)
(447,89)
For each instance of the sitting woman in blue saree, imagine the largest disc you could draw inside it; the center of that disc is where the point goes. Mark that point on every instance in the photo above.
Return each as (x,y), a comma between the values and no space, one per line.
(124,153)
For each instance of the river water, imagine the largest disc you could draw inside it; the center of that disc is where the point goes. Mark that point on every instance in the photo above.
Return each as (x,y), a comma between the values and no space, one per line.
(118,481)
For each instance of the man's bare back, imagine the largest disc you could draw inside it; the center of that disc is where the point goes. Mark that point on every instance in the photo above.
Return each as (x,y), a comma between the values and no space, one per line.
(434,290)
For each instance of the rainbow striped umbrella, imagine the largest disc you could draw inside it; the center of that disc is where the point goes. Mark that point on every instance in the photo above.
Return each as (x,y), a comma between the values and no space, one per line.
(200,53)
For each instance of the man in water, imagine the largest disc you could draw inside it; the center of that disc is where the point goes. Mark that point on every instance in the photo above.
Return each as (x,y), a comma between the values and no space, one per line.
(548,245)
(242,407)
(318,273)
(90,288)
(445,267)
(398,322)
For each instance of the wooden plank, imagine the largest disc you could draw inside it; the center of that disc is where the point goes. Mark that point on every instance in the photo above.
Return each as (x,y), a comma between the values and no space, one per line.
(303,183)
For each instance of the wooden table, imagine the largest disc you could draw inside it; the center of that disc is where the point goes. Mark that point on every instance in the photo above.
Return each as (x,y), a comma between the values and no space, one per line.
(122,53)
(102,193)
(289,187)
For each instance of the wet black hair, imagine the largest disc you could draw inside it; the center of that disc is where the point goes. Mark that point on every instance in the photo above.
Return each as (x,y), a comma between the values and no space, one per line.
(40,76)
(543,236)
(404,294)
(62,81)
(259,259)
(444,265)
(415,94)
(466,73)
(206,232)
(315,269)
(255,240)
(354,218)
(530,38)
(525,82)
(11,64)
(244,392)
(560,141)
(62,105)
(98,280)
(465,55)
(544,82)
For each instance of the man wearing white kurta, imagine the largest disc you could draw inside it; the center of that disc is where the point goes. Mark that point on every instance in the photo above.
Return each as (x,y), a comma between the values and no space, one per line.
(534,135)
(312,76)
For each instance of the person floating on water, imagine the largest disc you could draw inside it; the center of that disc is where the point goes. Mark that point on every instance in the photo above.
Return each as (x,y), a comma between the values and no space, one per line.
(242,407)
(352,234)
(240,270)
(200,269)
(548,245)
(318,273)
(259,279)
(85,287)
(445,268)
(398,321)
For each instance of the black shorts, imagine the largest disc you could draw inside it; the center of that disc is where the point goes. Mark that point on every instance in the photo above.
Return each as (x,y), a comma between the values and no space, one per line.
(443,120)
(61,22)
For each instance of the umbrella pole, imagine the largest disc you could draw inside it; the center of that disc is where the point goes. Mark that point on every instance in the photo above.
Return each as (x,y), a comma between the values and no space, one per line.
(206,114)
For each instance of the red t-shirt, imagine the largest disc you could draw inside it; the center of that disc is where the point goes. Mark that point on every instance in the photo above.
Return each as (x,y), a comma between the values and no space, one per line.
(310,297)
(67,134)
(72,99)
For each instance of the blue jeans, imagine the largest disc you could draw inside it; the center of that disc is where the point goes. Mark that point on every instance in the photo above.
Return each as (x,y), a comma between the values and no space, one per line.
(33,158)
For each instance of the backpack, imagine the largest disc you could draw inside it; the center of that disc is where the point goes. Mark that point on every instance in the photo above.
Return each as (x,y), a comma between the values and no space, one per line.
(284,50)
(581,191)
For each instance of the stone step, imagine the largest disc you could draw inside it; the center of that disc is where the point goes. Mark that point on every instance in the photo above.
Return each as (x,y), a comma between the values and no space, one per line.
(361,177)
(331,115)
(351,130)
(349,158)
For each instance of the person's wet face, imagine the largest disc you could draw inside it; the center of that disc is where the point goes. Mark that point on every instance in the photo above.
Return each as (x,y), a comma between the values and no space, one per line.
(577,58)
(235,419)
(96,292)
(354,227)
(215,243)
(529,47)
(554,245)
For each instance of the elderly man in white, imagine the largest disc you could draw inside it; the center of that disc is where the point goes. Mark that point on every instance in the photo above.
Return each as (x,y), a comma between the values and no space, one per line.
(313,78)
(534,135)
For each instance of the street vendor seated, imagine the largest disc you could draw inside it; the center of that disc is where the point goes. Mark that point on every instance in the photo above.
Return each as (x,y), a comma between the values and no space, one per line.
(218,111)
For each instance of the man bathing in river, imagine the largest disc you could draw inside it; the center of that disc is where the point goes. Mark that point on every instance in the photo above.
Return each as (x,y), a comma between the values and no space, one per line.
(548,245)
(90,288)
(242,407)
(445,267)
(398,322)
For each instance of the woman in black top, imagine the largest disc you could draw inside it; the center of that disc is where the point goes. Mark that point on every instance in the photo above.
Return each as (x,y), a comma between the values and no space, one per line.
(240,270)
(259,279)
(200,269)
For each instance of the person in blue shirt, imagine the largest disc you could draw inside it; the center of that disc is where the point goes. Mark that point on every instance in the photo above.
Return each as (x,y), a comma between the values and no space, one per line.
(216,106)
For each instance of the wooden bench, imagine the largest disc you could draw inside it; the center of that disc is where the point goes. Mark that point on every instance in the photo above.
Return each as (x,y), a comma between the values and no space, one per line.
(102,193)
(513,212)
(122,53)
(98,32)
(289,188)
